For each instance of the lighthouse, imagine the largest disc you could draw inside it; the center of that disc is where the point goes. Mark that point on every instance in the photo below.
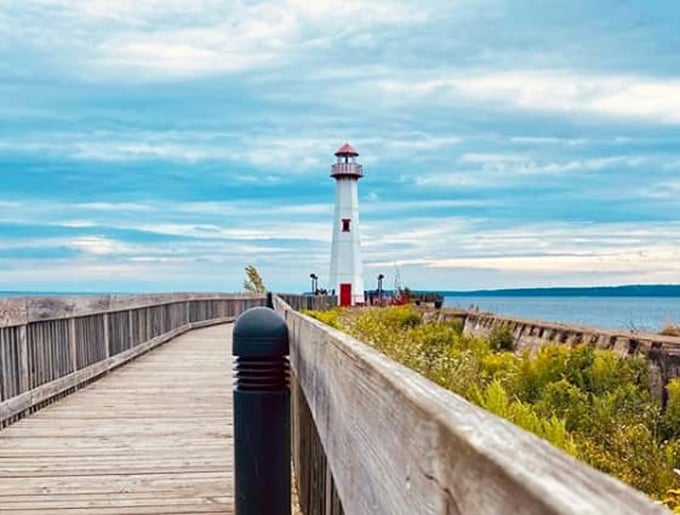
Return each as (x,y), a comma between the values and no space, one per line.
(346,276)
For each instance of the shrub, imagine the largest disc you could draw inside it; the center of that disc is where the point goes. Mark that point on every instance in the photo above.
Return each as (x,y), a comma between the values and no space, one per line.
(330,317)
(566,401)
(670,422)
(404,317)
(457,325)
(501,339)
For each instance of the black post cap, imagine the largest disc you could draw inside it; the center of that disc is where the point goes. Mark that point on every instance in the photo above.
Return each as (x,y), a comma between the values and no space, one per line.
(259,333)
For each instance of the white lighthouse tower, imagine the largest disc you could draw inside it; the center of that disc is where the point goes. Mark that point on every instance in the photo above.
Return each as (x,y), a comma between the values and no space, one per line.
(347,269)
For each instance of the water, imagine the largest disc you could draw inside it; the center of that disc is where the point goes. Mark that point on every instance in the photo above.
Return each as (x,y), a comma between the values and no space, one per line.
(624,313)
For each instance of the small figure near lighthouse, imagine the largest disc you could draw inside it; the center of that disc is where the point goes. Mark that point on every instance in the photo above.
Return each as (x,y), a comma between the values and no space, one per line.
(347,269)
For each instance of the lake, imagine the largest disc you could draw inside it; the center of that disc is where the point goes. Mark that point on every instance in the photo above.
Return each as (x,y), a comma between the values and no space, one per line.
(641,313)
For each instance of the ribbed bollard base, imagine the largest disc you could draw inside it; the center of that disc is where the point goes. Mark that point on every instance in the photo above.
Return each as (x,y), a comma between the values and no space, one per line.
(262,374)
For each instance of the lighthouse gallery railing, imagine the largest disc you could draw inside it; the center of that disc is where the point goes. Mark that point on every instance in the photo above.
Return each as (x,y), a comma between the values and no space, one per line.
(347,169)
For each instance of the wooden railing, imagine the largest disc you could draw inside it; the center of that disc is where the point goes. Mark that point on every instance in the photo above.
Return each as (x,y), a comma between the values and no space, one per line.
(50,346)
(309,302)
(371,436)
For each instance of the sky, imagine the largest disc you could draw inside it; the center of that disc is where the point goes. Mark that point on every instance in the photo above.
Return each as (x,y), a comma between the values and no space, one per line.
(163,145)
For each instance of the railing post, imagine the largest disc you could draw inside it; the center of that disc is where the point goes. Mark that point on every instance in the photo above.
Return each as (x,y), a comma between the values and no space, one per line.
(107,336)
(73,344)
(261,414)
(24,372)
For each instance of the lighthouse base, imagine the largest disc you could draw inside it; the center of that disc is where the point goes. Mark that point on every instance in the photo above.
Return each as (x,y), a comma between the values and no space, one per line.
(345,294)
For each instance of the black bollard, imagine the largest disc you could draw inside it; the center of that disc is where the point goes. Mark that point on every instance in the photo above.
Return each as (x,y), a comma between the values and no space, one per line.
(261,414)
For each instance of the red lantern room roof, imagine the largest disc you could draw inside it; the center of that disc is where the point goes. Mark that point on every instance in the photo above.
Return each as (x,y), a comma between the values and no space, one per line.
(346,150)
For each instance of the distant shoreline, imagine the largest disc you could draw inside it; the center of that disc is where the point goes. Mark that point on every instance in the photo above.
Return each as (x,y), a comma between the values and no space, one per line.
(633,290)
(636,290)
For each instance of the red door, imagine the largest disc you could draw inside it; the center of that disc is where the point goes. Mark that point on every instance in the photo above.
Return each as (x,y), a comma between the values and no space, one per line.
(345,294)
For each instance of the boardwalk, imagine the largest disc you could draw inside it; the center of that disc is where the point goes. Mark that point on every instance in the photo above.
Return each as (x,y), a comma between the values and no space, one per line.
(154,436)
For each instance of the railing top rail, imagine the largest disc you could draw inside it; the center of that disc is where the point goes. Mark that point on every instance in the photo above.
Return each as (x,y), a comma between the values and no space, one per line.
(22,310)
(398,443)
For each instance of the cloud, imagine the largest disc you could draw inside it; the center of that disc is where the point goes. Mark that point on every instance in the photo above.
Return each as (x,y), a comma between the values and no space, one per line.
(648,99)
(483,158)
(496,170)
(98,246)
(352,14)
(248,38)
(308,151)
(606,262)
(663,190)
(641,251)
(176,39)
(547,140)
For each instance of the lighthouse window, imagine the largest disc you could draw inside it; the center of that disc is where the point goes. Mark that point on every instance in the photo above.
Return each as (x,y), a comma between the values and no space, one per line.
(345,224)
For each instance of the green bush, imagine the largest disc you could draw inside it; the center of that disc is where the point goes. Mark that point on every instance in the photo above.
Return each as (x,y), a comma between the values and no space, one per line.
(670,422)
(330,317)
(456,324)
(501,339)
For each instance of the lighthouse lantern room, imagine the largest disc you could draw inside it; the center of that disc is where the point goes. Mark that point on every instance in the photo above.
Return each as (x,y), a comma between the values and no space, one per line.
(346,276)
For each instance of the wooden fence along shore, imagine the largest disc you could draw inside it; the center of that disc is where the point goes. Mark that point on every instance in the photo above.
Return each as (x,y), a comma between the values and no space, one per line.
(369,435)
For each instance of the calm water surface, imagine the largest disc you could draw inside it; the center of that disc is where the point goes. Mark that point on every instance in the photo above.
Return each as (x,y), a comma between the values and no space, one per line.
(642,313)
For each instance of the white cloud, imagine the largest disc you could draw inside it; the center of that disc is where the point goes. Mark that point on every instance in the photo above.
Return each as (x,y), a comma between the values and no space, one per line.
(98,246)
(309,151)
(112,206)
(642,251)
(498,169)
(606,262)
(246,37)
(358,13)
(547,140)
(636,97)
(447,180)
(154,39)
(264,230)
(484,158)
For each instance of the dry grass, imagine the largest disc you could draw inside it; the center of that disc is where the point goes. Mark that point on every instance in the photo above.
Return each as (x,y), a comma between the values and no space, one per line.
(670,330)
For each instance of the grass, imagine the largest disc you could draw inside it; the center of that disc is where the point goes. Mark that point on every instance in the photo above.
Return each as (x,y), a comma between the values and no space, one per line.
(590,403)
(670,330)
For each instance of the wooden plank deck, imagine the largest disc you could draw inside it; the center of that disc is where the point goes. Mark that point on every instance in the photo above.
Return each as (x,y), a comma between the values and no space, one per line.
(154,436)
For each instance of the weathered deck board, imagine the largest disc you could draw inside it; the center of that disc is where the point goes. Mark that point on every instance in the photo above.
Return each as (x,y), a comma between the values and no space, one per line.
(154,436)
